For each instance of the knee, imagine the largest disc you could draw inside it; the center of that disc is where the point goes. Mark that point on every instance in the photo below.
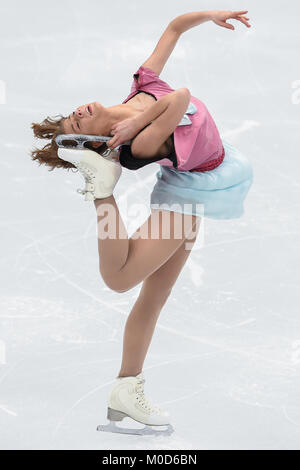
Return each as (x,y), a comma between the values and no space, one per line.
(115,285)
(119,290)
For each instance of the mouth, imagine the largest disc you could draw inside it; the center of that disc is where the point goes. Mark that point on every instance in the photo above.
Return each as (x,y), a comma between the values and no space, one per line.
(89,110)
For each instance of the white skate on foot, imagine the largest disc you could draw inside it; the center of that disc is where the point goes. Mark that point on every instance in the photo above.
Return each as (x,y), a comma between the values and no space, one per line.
(127,399)
(101,174)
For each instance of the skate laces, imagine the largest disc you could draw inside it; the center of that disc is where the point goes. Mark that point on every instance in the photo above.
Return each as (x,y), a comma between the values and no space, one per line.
(89,177)
(143,401)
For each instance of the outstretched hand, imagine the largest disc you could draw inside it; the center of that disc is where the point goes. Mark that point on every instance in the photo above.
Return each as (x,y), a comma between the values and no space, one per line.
(221,17)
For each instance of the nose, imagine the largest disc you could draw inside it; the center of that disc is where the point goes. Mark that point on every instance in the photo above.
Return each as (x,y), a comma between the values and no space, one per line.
(79,112)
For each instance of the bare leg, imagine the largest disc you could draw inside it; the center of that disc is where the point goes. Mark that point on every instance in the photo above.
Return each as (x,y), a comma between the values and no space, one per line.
(124,263)
(141,322)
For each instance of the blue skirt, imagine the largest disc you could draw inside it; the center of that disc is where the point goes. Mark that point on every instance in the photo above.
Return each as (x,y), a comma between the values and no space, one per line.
(217,194)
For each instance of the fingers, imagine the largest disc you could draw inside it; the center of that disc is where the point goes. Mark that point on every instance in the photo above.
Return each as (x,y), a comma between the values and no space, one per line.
(239,13)
(224,24)
(243,20)
(239,16)
(111,143)
(236,15)
(228,26)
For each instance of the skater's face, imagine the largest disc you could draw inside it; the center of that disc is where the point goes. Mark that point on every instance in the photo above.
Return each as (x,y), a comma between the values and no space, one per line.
(84,120)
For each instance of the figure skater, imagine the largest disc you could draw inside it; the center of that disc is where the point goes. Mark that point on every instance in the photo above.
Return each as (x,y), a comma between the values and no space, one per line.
(200,175)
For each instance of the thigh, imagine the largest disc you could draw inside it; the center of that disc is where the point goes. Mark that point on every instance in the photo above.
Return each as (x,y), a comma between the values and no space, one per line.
(153,244)
(160,283)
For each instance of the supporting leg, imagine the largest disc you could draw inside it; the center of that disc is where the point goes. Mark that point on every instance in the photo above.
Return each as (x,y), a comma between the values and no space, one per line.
(141,322)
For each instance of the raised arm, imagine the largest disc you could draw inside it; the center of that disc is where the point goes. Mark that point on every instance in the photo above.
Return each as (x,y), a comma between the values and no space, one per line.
(182,23)
(163,50)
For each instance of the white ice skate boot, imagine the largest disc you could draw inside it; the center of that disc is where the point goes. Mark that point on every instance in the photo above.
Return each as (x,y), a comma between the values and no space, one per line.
(101,174)
(127,399)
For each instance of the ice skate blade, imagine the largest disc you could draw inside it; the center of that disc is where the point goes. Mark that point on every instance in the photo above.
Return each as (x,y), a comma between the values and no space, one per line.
(146,431)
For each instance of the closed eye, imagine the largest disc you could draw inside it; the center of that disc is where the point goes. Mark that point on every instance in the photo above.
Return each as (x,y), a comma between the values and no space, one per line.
(78,126)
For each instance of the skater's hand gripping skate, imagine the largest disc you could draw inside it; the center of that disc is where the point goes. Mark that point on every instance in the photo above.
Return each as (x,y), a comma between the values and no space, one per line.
(123,131)
(220,18)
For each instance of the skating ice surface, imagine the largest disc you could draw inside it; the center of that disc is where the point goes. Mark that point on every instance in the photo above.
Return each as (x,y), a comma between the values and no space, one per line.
(225,358)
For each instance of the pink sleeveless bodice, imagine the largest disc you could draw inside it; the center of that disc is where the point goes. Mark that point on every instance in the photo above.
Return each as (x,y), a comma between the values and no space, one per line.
(197,139)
